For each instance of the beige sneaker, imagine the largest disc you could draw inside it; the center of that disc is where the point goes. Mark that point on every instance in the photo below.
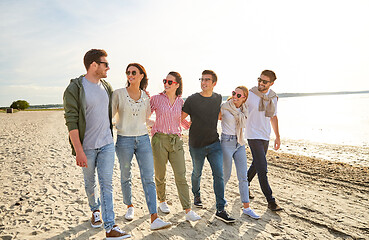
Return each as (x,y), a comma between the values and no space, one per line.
(96,219)
(115,234)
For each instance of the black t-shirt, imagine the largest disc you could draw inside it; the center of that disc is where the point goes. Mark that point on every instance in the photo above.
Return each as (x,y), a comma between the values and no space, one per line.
(204,113)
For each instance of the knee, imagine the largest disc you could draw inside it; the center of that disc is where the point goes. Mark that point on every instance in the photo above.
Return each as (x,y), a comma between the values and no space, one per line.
(181,180)
(147,179)
(242,179)
(196,174)
(262,174)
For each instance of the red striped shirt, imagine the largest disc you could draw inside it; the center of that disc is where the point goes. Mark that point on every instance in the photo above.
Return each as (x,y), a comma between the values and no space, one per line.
(168,117)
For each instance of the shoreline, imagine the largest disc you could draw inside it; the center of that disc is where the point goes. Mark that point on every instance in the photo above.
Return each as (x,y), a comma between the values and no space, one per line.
(42,193)
(352,155)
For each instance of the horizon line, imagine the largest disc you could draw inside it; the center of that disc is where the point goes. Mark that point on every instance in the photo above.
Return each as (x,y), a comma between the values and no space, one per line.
(281,95)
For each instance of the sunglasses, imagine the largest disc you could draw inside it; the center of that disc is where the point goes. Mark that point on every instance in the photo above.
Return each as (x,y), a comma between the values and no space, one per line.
(170,82)
(133,73)
(237,94)
(204,79)
(263,81)
(106,63)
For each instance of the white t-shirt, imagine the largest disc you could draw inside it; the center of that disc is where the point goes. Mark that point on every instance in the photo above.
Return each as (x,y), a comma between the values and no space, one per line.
(130,115)
(257,125)
(228,122)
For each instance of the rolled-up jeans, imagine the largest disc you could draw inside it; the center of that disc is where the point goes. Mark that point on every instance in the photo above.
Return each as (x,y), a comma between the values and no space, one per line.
(213,153)
(259,165)
(140,146)
(102,160)
(233,150)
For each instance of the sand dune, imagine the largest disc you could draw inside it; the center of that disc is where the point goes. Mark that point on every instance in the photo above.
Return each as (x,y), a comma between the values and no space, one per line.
(42,193)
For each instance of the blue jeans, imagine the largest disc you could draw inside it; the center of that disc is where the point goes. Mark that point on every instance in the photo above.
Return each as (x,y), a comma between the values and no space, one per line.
(259,165)
(139,146)
(101,159)
(213,153)
(232,149)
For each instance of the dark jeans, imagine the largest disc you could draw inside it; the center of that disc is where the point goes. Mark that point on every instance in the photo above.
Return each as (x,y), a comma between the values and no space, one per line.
(214,154)
(259,164)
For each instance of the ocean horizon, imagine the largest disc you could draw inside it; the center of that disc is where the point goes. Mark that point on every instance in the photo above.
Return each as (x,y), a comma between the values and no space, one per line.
(329,117)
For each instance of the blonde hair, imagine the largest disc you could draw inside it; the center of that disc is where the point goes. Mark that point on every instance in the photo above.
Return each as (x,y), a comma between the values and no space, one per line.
(245,93)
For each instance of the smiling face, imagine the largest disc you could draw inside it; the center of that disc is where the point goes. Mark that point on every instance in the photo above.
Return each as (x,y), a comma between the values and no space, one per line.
(238,97)
(207,84)
(264,83)
(170,89)
(133,75)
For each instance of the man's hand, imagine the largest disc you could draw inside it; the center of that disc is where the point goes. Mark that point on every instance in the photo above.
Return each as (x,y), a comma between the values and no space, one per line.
(277,143)
(81,159)
(274,122)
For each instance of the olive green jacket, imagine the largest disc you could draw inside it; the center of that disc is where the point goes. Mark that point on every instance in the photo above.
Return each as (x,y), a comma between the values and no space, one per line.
(74,102)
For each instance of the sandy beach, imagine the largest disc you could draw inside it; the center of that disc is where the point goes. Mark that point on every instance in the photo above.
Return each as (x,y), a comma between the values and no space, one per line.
(42,192)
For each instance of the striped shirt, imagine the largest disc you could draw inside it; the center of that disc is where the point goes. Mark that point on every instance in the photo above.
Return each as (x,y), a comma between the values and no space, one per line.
(168,117)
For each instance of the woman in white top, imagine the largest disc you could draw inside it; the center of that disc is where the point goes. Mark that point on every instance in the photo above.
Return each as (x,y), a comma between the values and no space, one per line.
(131,105)
(233,114)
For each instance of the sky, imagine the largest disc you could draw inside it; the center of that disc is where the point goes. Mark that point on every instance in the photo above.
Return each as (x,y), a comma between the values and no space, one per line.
(313,46)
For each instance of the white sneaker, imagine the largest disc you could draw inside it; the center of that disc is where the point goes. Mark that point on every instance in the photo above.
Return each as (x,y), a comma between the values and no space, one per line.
(130,214)
(192,216)
(250,212)
(164,207)
(159,224)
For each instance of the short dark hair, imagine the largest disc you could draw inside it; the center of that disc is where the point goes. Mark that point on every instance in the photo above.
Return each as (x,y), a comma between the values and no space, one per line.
(145,81)
(93,55)
(270,74)
(212,73)
(179,81)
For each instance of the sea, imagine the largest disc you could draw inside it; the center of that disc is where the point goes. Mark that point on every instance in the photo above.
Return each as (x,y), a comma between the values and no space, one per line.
(335,119)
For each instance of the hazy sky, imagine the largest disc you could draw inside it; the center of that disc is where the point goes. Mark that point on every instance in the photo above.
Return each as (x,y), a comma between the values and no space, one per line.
(313,46)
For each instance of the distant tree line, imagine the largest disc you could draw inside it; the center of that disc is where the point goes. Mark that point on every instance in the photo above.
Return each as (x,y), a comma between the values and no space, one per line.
(20,104)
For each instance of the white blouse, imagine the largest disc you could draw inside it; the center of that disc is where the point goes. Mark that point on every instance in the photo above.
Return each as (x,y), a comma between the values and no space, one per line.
(131,116)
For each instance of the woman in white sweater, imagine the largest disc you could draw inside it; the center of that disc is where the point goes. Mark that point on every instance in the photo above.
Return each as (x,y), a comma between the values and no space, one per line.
(131,108)
(233,114)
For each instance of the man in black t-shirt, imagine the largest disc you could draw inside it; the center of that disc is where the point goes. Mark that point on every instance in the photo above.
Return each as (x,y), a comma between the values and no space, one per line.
(203,109)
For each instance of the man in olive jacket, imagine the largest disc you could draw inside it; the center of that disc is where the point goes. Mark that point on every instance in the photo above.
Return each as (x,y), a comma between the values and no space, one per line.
(87,105)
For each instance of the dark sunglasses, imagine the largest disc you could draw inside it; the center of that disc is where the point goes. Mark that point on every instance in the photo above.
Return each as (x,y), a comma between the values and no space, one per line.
(106,63)
(263,81)
(238,95)
(170,82)
(133,73)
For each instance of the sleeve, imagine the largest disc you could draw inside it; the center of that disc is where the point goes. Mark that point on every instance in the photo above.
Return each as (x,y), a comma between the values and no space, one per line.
(221,109)
(187,106)
(149,122)
(220,100)
(71,107)
(153,104)
(115,103)
(184,123)
(275,100)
